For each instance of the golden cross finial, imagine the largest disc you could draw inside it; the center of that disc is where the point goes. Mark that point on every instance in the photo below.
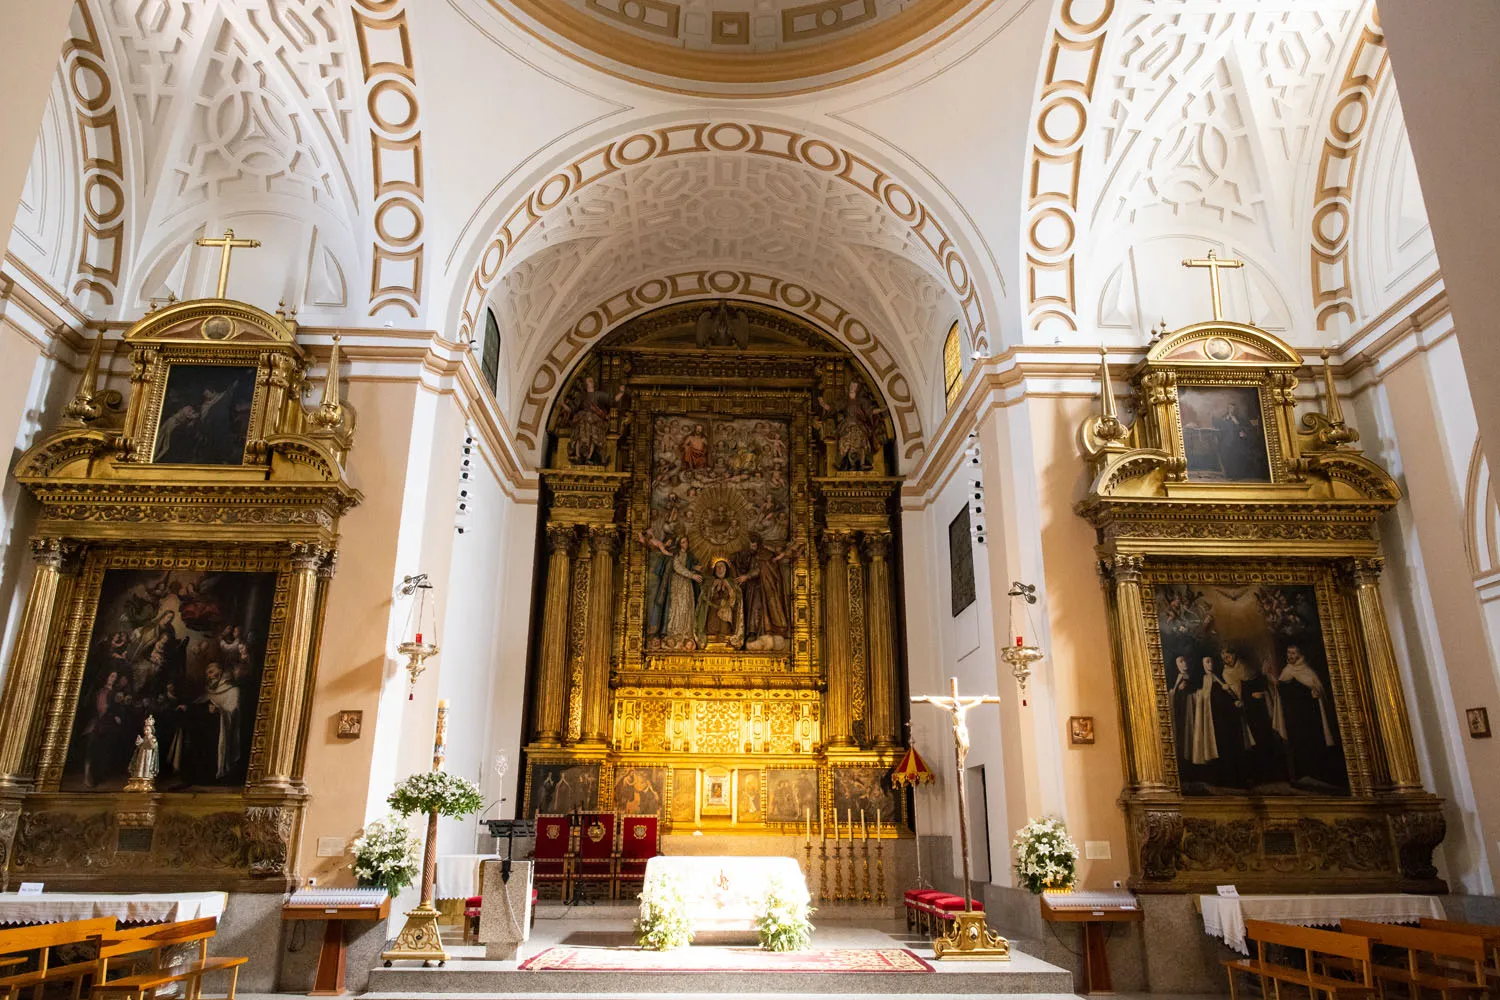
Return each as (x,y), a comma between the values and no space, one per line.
(1213,263)
(226,244)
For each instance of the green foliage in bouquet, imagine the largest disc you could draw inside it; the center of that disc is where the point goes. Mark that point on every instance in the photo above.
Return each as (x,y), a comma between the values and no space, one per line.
(449,794)
(1046,858)
(663,922)
(387,854)
(783,923)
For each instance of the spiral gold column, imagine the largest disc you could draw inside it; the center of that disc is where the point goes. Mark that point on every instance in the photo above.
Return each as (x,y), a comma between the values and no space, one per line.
(837,727)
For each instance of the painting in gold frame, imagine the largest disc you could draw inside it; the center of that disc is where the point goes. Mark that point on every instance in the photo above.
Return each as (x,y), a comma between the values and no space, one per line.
(205,414)
(59,763)
(1312,590)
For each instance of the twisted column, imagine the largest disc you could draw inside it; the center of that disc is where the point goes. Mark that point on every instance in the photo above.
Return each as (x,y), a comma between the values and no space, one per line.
(596,657)
(552,677)
(838,724)
(884,725)
(25,680)
(1148,763)
(1386,693)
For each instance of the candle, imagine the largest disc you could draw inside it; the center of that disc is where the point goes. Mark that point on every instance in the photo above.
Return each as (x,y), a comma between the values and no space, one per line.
(835,826)
(807,823)
(442,703)
(822,833)
(419,638)
(863,833)
(849,817)
(877,821)
(1018,641)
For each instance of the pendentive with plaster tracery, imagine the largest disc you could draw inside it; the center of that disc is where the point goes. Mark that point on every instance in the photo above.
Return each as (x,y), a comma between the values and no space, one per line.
(1267,741)
(155,709)
(717,637)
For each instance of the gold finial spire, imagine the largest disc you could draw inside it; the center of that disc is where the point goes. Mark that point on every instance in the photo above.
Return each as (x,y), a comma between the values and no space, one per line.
(330,412)
(227,244)
(1337,432)
(1214,264)
(84,406)
(1105,430)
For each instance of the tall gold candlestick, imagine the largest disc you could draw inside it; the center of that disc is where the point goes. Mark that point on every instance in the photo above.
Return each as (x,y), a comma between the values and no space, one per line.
(879,867)
(823,864)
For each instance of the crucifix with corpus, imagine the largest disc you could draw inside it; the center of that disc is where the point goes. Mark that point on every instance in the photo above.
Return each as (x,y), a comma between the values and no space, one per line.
(1214,265)
(227,244)
(970,936)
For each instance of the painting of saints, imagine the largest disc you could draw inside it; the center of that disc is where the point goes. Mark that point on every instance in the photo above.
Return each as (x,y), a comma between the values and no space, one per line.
(680,628)
(185,648)
(205,415)
(721,609)
(1222,433)
(856,428)
(638,790)
(588,423)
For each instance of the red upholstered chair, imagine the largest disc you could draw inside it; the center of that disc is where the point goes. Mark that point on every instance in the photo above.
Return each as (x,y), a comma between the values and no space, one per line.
(640,841)
(553,866)
(471,917)
(596,851)
(945,909)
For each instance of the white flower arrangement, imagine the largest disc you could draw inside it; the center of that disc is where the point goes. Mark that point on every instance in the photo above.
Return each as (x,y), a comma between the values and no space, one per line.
(1046,858)
(387,854)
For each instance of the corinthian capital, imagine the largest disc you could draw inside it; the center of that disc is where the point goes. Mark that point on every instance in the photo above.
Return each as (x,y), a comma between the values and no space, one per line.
(561,538)
(54,553)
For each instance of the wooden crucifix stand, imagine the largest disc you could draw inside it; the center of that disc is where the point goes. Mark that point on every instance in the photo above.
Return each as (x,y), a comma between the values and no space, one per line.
(970,936)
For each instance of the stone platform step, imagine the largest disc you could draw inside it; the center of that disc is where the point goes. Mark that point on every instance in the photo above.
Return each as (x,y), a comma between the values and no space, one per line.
(474,979)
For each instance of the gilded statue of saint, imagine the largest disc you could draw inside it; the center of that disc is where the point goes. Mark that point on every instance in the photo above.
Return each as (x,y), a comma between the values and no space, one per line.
(856,428)
(588,423)
(721,608)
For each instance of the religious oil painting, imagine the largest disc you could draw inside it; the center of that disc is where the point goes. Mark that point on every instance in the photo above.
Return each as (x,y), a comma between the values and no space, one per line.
(719,545)
(684,795)
(187,649)
(717,792)
(791,794)
(960,562)
(1479,723)
(747,796)
(1252,704)
(639,791)
(1223,434)
(864,788)
(564,788)
(205,415)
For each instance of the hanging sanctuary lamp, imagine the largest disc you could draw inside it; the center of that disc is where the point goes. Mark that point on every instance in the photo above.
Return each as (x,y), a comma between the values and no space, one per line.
(1022,654)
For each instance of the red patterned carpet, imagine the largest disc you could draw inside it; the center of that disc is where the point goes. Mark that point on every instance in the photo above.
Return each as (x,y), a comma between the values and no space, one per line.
(707,959)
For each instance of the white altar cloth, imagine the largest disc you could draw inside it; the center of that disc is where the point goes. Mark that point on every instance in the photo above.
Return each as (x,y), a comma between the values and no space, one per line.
(724,894)
(1225,916)
(134,908)
(458,875)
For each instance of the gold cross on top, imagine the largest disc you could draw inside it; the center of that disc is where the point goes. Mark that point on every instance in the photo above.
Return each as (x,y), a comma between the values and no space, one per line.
(227,245)
(1213,263)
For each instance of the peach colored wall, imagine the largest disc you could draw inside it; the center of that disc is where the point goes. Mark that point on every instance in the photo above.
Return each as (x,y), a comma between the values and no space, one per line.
(352,659)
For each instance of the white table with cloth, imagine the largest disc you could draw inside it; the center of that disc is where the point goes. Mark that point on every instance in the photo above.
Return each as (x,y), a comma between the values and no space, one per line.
(726,894)
(127,908)
(1224,916)
(458,875)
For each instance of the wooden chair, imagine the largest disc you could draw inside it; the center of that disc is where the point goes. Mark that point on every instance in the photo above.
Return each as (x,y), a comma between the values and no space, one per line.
(1442,946)
(597,852)
(1314,945)
(145,985)
(41,939)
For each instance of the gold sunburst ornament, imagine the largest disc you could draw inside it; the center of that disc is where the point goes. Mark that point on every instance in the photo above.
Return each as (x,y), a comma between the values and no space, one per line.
(719,519)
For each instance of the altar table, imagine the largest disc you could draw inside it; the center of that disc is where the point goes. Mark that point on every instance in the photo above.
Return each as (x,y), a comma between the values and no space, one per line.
(1225,916)
(726,894)
(129,908)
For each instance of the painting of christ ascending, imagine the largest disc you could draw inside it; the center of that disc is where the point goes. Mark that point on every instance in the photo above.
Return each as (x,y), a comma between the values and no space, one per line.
(186,648)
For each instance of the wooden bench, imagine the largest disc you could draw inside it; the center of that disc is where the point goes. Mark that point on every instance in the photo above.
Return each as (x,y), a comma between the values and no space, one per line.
(190,974)
(1488,933)
(1314,945)
(21,942)
(1442,946)
(131,944)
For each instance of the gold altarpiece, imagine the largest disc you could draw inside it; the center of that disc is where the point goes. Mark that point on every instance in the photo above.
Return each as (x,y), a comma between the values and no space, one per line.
(739,436)
(1266,734)
(206,491)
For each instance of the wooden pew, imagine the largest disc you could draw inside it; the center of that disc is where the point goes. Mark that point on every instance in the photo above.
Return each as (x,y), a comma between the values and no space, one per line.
(133,944)
(1489,933)
(1416,942)
(1313,944)
(145,984)
(41,939)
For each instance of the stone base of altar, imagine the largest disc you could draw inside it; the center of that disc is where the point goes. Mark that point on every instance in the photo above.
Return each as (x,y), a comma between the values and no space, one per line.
(606,927)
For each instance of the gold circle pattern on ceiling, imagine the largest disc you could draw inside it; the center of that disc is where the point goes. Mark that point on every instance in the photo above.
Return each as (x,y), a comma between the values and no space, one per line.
(769,47)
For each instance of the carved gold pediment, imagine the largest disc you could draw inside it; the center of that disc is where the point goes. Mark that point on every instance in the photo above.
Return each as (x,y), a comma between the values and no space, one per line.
(215,321)
(1219,343)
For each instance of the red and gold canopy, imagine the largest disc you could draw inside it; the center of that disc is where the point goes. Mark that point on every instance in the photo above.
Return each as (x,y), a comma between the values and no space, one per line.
(911,770)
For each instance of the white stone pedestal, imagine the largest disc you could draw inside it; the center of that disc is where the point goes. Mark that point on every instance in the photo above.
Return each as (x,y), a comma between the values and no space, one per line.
(505,915)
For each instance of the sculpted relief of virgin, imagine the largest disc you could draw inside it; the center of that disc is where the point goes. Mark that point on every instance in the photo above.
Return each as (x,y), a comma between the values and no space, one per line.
(718,576)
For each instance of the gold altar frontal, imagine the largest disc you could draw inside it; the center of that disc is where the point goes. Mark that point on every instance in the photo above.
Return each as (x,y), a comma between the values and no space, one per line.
(718,643)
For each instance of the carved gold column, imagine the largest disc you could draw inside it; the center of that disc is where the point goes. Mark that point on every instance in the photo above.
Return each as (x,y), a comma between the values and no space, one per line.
(837,729)
(578,637)
(292,673)
(1123,574)
(25,681)
(1363,576)
(604,539)
(552,678)
(859,668)
(884,725)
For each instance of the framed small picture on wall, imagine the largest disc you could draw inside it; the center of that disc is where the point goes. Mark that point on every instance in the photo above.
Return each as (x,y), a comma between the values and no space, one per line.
(351,724)
(1081,730)
(1479,723)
